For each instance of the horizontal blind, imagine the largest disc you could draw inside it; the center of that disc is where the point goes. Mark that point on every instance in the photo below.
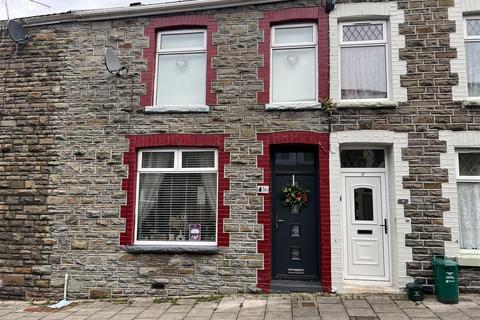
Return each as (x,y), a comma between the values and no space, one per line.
(172,204)
(158,159)
(195,159)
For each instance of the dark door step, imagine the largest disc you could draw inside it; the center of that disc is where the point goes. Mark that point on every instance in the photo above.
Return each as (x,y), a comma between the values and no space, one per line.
(282,286)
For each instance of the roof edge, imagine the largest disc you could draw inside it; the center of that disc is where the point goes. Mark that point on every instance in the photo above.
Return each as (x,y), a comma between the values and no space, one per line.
(139,11)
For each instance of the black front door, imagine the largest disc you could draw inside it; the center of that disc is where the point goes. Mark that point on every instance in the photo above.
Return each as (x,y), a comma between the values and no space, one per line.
(295,232)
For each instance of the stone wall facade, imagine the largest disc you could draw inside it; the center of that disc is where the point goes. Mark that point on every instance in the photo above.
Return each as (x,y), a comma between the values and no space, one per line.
(65,126)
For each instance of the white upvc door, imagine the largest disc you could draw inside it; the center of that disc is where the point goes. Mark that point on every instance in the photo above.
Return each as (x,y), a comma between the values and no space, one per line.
(366,226)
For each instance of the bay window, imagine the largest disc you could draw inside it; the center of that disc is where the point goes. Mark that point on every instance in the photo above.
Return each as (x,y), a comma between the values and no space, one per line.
(181,68)
(177,197)
(468,186)
(294,63)
(363,60)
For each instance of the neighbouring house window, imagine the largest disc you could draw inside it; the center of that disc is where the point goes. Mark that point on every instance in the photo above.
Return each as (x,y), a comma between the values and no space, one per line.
(363,60)
(181,68)
(294,63)
(177,197)
(468,186)
(472,54)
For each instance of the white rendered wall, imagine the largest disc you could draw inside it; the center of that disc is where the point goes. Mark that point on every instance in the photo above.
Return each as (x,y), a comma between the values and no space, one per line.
(400,254)
(456,13)
(454,140)
(373,11)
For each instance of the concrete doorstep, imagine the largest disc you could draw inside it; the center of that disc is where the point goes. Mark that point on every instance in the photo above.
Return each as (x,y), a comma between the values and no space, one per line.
(295,306)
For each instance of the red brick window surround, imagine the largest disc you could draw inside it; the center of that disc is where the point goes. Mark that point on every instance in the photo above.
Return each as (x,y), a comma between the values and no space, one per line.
(129,185)
(265,246)
(175,23)
(295,15)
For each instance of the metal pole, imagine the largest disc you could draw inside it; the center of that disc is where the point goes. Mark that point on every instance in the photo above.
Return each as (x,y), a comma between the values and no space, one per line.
(6,8)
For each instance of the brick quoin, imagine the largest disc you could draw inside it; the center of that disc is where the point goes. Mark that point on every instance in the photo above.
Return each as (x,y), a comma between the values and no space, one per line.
(178,141)
(293,15)
(149,53)
(265,246)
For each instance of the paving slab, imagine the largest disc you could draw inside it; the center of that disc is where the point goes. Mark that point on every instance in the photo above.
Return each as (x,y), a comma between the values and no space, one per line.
(356,304)
(360,312)
(305,312)
(334,315)
(383,308)
(296,306)
(278,316)
(392,316)
(379,300)
(331,307)
(419,313)
(329,300)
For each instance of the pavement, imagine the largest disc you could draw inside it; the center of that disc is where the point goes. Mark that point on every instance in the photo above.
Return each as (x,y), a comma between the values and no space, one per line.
(295,306)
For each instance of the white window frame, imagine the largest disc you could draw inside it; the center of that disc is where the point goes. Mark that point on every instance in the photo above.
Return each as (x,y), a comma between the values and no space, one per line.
(465,179)
(294,45)
(159,52)
(366,43)
(467,39)
(176,169)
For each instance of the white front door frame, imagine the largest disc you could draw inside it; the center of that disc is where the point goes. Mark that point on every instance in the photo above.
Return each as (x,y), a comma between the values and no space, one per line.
(400,226)
(378,181)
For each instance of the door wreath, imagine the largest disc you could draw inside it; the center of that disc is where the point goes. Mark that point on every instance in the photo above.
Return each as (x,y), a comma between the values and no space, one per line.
(295,197)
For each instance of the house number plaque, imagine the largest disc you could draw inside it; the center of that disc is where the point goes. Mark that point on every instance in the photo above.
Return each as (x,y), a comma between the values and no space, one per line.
(263,189)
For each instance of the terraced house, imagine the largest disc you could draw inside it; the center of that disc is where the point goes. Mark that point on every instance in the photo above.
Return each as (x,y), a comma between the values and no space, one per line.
(216,164)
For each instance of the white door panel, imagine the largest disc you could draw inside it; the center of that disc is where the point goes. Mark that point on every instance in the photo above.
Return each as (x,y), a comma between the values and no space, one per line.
(366,237)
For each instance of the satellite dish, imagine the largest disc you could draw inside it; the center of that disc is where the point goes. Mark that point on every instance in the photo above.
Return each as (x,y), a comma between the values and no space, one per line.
(113,64)
(17,33)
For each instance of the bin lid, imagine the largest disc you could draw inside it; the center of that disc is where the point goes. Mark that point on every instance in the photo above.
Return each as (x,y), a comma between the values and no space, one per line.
(443,261)
(413,285)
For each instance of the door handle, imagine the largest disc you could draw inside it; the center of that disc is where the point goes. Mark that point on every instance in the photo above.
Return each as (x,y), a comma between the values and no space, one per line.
(278,220)
(385,225)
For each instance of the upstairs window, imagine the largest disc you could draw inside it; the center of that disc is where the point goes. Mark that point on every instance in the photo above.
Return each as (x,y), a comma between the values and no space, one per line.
(472,55)
(177,197)
(294,63)
(363,60)
(468,187)
(181,68)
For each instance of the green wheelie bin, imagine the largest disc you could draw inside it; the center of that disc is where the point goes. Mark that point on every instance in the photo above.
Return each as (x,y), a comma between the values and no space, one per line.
(445,275)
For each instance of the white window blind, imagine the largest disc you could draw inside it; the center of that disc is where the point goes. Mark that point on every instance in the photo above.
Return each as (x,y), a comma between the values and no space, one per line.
(177,204)
(181,68)
(472,55)
(294,64)
(468,188)
(363,61)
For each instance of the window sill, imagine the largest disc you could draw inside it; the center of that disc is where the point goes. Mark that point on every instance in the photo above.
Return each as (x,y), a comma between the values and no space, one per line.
(177,109)
(171,249)
(293,106)
(469,258)
(366,104)
(471,102)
